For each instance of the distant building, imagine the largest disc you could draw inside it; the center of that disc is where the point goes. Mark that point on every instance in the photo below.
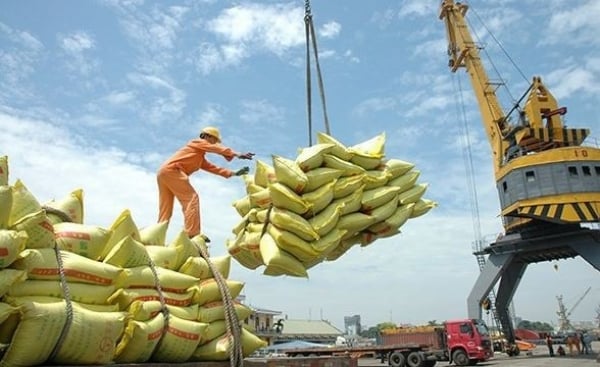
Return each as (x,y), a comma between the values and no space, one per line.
(352,325)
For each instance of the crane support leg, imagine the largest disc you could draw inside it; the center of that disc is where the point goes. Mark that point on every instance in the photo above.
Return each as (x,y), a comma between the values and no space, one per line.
(491,272)
(589,251)
(506,290)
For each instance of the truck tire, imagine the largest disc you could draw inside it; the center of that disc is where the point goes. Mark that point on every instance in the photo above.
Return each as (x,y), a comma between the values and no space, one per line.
(459,357)
(415,359)
(397,359)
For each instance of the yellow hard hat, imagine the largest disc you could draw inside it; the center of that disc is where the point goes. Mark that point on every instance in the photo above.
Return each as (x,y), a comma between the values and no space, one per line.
(212,131)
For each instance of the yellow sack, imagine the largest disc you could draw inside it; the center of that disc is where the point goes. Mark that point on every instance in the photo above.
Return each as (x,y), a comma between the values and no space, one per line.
(264,174)
(6,205)
(198,267)
(71,205)
(18,301)
(245,249)
(321,176)
(384,211)
(294,223)
(80,292)
(289,173)
(40,232)
(397,167)
(128,253)
(241,225)
(421,207)
(366,162)
(11,244)
(41,264)
(139,340)
(292,244)
(355,222)
(394,222)
(374,147)
(208,290)
(3,170)
(326,220)
(375,178)
(124,297)
(278,261)
(413,194)
(261,199)
(214,311)
(325,245)
(312,157)
(347,168)
(339,150)
(23,203)
(122,227)
(143,277)
(180,341)
(406,181)
(91,338)
(242,206)
(377,197)
(155,234)
(9,277)
(251,187)
(284,198)
(85,240)
(146,310)
(350,203)
(173,256)
(342,248)
(214,330)
(347,185)
(218,349)
(320,198)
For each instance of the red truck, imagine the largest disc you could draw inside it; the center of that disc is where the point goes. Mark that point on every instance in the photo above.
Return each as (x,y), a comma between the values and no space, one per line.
(464,342)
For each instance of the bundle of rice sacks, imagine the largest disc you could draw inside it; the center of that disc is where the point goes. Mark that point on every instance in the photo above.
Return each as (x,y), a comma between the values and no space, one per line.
(298,213)
(128,296)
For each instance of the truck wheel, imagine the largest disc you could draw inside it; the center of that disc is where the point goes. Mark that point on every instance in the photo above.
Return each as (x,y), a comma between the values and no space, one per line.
(397,359)
(460,358)
(415,359)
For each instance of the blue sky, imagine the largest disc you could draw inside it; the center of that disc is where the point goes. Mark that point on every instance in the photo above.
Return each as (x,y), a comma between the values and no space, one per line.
(96,94)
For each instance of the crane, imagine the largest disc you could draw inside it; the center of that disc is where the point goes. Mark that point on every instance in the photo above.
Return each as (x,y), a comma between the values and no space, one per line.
(564,323)
(548,181)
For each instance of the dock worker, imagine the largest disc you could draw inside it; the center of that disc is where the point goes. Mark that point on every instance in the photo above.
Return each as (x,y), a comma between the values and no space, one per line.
(173,177)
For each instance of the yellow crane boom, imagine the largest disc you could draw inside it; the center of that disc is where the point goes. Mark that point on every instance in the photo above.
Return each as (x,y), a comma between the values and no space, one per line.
(543,172)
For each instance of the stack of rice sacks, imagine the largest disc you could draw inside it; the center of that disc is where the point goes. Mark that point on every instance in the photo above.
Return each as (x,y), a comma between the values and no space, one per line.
(299,213)
(134,299)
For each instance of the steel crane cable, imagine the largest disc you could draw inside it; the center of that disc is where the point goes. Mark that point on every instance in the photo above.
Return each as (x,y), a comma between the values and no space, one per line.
(309,31)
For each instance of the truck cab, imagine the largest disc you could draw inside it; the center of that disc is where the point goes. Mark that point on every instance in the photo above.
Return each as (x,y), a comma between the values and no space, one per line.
(468,341)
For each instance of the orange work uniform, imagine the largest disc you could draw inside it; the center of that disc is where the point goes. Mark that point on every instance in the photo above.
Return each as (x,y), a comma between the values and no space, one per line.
(173,180)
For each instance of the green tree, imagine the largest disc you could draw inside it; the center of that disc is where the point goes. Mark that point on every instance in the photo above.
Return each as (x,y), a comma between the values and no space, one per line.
(373,331)
(535,325)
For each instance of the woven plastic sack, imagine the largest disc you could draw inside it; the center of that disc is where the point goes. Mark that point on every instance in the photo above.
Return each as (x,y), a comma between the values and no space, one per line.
(143,277)
(3,170)
(218,349)
(289,173)
(377,197)
(384,211)
(347,168)
(155,234)
(320,198)
(6,205)
(350,203)
(397,167)
(122,227)
(345,186)
(260,199)
(421,207)
(214,311)
(355,222)
(128,253)
(374,147)
(198,267)
(278,261)
(339,150)
(375,178)
(71,205)
(9,277)
(294,223)
(180,341)
(391,225)
(246,250)
(146,310)
(41,264)
(413,194)
(406,181)
(208,291)
(85,240)
(23,203)
(124,297)
(40,232)
(285,198)
(327,219)
(242,206)
(312,157)
(325,245)
(139,340)
(292,244)
(79,292)
(321,176)
(215,330)
(264,174)
(11,244)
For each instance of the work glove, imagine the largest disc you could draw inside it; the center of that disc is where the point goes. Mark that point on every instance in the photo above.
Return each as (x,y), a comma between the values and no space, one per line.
(242,171)
(246,156)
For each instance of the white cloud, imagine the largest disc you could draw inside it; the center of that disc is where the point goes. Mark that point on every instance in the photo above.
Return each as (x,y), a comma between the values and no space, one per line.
(261,113)
(330,29)
(210,114)
(375,105)
(418,8)
(576,24)
(165,104)
(76,47)
(572,79)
